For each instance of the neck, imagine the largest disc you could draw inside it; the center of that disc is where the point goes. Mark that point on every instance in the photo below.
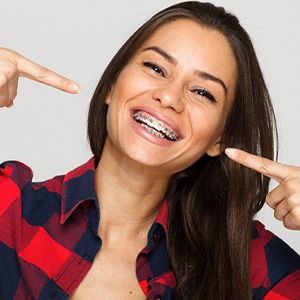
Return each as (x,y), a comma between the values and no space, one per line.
(129,195)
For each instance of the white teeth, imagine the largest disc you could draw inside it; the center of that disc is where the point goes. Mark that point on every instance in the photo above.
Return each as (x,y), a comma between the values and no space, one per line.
(152,131)
(158,129)
(150,122)
(158,126)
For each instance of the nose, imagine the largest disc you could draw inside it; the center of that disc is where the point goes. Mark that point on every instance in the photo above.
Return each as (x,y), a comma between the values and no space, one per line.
(170,95)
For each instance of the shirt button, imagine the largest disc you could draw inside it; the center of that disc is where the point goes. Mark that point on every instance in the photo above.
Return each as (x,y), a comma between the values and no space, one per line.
(151,279)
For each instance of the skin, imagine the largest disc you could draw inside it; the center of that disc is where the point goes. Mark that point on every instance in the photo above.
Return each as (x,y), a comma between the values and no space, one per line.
(172,93)
(284,199)
(13,65)
(136,168)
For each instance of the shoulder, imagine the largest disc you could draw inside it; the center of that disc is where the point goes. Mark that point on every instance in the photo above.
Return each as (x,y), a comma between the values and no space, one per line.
(272,263)
(14,176)
(19,194)
(16,171)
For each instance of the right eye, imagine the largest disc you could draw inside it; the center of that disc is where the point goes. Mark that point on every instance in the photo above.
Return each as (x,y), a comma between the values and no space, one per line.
(156,68)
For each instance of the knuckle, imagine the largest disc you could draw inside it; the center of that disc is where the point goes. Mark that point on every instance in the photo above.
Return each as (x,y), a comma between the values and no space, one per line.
(63,82)
(287,225)
(265,164)
(9,104)
(291,223)
(242,156)
(3,80)
(12,96)
(4,102)
(42,72)
(8,73)
(268,198)
(8,54)
(295,213)
(277,215)
(288,222)
(290,186)
(292,220)
(291,201)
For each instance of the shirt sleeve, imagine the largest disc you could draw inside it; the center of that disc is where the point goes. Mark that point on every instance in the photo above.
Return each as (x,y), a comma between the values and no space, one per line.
(275,267)
(287,288)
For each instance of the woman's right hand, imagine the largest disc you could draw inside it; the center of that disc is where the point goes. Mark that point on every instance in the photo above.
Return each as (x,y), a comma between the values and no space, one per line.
(13,65)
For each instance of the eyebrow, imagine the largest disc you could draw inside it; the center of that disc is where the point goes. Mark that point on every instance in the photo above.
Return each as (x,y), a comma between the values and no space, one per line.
(204,75)
(163,53)
(210,77)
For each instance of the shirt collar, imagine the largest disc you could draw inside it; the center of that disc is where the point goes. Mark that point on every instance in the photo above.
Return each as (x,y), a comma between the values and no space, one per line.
(78,186)
(162,216)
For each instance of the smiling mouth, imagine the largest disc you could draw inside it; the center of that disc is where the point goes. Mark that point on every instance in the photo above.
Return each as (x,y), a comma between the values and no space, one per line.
(155,127)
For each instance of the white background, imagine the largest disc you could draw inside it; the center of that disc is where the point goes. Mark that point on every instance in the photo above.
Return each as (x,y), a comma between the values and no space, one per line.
(46,128)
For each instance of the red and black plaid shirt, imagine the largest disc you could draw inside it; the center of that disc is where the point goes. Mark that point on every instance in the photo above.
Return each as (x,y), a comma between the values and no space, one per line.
(49,238)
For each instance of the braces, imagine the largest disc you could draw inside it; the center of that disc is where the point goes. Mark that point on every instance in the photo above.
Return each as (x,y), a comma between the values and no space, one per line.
(156,129)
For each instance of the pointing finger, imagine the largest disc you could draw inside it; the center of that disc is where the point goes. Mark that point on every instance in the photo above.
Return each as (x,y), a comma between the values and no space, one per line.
(262,165)
(29,69)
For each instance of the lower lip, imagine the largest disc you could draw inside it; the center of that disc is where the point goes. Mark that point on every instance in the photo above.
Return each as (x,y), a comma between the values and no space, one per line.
(149,136)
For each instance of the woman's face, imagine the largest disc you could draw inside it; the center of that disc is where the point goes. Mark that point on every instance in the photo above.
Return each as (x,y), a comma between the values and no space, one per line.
(170,103)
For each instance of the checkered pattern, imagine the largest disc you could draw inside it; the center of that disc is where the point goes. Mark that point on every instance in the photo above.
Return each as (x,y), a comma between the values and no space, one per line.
(49,238)
(274,267)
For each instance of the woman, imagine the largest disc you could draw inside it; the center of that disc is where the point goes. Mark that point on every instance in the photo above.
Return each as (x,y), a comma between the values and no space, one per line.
(160,211)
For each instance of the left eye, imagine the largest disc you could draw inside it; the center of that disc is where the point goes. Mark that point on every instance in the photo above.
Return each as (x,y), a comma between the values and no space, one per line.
(157,69)
(206,94)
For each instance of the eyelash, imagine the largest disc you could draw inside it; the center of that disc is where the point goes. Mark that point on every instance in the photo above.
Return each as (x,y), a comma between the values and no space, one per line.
(204,93)
(157,69)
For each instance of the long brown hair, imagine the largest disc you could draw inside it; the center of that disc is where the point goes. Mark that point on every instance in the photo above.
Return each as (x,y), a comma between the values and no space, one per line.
(212,203)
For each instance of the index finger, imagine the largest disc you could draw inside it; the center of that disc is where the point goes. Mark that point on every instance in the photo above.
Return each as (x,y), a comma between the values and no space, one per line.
(260,164)
(31,70)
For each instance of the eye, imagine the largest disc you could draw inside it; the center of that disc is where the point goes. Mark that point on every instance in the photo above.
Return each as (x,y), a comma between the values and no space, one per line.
(204,93)
(156,68)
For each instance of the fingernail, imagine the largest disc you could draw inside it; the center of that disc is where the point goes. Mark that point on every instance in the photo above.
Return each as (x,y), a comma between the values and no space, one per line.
(74,87)
(231,152)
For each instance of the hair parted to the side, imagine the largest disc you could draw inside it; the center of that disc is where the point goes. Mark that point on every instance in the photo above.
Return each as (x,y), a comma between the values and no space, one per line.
(212,203)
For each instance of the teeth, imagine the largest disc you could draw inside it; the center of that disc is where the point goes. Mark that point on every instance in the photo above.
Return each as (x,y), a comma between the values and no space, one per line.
(158,129)
(150,122)
(158,126)
(152,131)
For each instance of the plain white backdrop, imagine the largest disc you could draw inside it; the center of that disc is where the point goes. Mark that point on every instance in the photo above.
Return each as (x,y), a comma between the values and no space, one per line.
(46,129)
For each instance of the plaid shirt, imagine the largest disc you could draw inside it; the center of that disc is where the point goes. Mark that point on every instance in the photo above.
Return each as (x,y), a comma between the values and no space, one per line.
(49,238)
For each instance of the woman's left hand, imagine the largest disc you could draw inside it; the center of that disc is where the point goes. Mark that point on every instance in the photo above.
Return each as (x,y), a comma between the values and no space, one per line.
(285,198)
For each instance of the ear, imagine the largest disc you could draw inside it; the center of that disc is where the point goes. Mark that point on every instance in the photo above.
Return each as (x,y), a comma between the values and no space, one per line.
(215,149)
(107,99)
(109,95)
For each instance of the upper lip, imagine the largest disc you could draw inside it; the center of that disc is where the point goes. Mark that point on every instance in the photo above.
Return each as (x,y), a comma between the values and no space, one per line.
(159,116)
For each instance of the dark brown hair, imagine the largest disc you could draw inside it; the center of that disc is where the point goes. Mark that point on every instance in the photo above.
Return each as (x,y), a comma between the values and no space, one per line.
(212,203)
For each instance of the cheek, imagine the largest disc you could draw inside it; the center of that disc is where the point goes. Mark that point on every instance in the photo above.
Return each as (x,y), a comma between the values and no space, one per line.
(207,133)
(205,124)
(109,124)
